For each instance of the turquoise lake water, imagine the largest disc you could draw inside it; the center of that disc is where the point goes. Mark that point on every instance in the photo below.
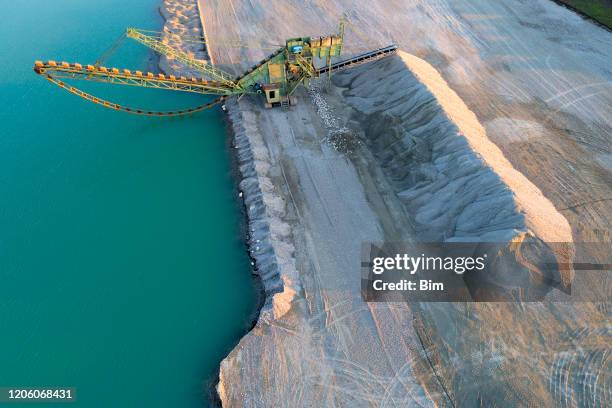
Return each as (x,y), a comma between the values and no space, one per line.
(122,269)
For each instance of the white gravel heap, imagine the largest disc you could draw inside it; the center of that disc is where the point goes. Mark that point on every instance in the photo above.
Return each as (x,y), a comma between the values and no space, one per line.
(455,181)
(338,136)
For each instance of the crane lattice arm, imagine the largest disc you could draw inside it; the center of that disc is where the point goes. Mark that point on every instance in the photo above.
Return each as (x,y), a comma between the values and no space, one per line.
(134,78)
(207,69)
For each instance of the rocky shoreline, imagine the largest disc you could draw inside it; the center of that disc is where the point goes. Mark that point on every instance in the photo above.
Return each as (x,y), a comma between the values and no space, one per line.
(183,17)
(269,234)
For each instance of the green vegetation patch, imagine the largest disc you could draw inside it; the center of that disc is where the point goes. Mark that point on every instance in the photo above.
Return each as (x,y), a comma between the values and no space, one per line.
(599,10)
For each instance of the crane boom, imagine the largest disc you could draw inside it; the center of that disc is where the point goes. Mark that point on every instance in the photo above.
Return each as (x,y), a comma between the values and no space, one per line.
(207,69)
(134,78)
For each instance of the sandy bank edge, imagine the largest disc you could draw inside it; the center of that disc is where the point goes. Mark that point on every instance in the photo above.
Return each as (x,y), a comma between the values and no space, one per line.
(175,19)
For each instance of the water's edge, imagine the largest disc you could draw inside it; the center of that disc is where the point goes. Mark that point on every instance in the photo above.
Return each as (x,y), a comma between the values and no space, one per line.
(210,384)
(213,382)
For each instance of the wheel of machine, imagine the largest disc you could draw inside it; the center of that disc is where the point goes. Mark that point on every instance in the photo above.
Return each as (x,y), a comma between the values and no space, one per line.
(293,100)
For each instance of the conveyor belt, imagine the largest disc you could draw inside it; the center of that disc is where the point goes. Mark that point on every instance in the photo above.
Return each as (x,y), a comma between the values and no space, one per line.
(134,111)
(360,59)
(259,64)
(134,78)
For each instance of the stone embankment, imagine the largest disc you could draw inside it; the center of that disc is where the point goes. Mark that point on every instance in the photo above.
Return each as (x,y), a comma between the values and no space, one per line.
(269,242)
(269,234)
(269,237)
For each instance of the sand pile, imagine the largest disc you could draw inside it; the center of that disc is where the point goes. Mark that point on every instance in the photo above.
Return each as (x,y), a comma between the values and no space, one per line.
(182,31)
(457,184)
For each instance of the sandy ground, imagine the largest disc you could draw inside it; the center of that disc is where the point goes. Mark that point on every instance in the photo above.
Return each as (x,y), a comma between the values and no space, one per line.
(456,185)
(536,75)
(320,352)
(537,79)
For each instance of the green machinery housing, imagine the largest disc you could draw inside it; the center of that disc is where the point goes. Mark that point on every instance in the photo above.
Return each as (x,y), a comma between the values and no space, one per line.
(278,76)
